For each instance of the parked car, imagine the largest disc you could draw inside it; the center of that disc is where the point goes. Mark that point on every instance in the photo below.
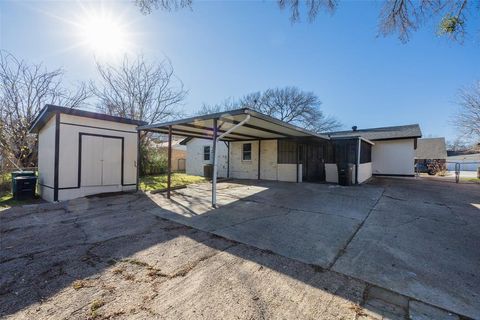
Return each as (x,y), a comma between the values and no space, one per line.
(426,167)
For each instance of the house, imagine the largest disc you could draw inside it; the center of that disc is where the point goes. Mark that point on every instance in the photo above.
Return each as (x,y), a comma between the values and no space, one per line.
(82,153)
(255,146)
(393,152)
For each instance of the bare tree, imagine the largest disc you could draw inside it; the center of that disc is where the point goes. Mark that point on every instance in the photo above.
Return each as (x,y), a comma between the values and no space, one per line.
(399,17)
(288,104)
(467,120)
(24,90)
(404,16)
(227,104)
(139,90)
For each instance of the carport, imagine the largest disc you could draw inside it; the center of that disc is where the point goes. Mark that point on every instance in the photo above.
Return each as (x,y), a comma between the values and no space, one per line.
(233,126)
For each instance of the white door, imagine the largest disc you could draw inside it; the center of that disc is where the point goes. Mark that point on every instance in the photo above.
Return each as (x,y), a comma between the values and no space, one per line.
(112,162)
(91,161)
(101,161)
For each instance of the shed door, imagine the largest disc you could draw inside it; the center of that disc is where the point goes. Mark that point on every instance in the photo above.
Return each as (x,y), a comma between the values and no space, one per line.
(112,162)
(101,161)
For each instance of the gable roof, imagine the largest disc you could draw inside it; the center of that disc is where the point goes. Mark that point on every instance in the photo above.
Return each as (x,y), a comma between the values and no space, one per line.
(382,133)
(49,110)
(431,148)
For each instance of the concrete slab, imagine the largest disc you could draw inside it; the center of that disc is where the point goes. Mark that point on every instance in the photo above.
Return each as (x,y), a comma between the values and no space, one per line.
(116,261)
(421,240)
(422,311)
(308,222)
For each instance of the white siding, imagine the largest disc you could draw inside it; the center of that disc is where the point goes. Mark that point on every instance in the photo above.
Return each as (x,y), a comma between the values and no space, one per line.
(395,157)
(331,172)
(195,163)
(288,172)
(46,159)
(109,151)
(364,172)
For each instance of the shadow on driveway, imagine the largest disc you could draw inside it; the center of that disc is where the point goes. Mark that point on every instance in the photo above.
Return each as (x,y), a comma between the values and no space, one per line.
(131,258)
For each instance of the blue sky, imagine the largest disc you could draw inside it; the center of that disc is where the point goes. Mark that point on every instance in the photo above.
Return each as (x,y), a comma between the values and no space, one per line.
(227,49)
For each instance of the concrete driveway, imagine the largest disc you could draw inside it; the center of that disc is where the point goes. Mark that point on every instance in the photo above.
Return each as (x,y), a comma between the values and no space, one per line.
(416,237)
(391,249)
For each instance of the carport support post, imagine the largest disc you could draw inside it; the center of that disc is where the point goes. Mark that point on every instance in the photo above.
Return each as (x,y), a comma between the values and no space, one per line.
(214,154)
(169,163)
(357,165)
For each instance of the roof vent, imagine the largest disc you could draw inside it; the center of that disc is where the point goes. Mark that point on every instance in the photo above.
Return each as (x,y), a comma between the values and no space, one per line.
(354,128)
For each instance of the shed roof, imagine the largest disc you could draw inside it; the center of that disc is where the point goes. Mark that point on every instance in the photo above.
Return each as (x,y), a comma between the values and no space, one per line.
(431,148)
(382,133)
(259,126)
(49,110)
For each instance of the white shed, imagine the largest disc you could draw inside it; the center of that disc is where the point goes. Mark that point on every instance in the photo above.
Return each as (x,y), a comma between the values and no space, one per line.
(83,153)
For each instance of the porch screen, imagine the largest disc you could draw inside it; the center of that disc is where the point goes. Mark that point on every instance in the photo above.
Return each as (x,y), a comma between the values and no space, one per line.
(365,152)
(287,151)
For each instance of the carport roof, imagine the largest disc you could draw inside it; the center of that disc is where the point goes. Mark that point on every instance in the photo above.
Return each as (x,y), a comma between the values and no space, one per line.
(259,126)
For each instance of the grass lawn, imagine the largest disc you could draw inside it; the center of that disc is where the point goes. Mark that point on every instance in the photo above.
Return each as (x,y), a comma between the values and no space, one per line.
(149,183)
(475,180)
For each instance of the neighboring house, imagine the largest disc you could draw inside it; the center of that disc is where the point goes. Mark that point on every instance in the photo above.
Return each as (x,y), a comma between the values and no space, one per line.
(393,152)
(179,153)
(431,151)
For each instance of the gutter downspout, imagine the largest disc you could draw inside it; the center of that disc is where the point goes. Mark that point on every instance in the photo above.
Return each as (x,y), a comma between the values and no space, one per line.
(214,178)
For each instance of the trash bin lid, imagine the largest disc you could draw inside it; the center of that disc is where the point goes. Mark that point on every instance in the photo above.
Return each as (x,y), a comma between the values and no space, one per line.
(25,178)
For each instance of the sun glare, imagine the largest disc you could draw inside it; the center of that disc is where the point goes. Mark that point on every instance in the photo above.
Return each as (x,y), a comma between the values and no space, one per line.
(103,34)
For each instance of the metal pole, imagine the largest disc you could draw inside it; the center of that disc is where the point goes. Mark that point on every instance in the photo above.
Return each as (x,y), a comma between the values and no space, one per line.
(259,146)
(138,159)
(169,164)
(298,159)
(228,159)
(358,159)
(214,177)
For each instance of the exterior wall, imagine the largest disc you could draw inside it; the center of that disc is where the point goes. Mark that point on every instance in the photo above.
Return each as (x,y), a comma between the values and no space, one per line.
(195,162)
(393,157)
(288,172)
(69,160)
(243,169)
(268,160)
(331,172)
(270,169)
(46,159)
(364,172)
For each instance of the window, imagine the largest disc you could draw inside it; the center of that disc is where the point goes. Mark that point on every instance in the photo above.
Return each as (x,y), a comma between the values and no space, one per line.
(206,153)
(247,151)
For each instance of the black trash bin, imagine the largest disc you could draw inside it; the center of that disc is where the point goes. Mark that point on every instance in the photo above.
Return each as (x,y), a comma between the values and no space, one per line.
(345,172)
(24,187)
(20,174)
